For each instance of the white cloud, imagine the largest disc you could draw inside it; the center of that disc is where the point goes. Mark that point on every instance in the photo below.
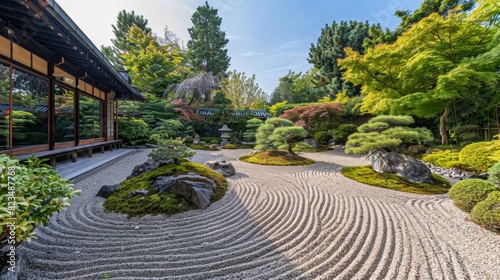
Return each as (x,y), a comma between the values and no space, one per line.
(251,53)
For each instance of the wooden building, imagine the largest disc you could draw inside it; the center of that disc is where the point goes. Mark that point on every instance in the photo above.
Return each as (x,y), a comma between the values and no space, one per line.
(58,92)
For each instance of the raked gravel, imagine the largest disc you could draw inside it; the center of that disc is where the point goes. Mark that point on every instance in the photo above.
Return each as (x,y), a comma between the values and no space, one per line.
(274,223)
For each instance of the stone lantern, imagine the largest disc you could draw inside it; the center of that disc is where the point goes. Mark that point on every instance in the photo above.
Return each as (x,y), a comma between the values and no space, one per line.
(225,135)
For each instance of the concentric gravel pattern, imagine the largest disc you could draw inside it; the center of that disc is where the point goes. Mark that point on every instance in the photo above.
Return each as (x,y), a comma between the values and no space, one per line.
(274,223)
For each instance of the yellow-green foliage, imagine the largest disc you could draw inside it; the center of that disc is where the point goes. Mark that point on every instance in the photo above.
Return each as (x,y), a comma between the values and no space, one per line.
(480,156)
(467,193)
(278,158)
(487,212)
(202,147)
(229,146)
(446,158)
(165,203)
(366,175)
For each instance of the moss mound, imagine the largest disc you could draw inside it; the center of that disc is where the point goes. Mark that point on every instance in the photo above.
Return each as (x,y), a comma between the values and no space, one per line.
(487,212)
(165,203)
(229,146)
(446,158)
(278,158)
(467,193)
(366,175)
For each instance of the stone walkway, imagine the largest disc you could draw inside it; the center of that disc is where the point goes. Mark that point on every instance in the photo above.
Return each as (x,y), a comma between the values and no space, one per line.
(274,223)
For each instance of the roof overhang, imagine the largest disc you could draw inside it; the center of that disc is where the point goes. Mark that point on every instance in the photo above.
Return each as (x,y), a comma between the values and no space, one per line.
(42,27)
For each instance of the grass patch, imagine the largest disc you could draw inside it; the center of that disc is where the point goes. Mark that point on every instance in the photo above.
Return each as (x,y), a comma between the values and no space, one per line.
(165,203)
(278,158)
(366,175)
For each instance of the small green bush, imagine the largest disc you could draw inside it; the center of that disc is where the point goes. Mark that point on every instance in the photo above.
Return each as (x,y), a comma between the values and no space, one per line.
(133,131)
(487,212)
(202,147)
(479,156)
(467,193)
(446,158)
(215,141)
(30,193)
(321,137)
(170,149)
(210,139)
(341,134)
(189,139)
(230,146)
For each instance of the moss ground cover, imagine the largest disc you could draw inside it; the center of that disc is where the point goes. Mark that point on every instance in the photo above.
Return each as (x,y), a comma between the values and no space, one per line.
(279,158)
(165,203)
(366,175)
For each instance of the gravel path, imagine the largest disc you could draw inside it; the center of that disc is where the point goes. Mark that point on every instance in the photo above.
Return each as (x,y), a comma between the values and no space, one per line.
(274,223)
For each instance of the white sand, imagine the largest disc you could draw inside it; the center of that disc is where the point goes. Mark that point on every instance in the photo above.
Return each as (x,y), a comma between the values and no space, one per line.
(274,223)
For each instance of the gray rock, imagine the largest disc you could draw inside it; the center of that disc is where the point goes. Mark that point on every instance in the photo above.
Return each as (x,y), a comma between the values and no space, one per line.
(311,142)
(136,193)
(214,146)
(150,165)
(402,165)
(107,190)
(224,168)
(195,188)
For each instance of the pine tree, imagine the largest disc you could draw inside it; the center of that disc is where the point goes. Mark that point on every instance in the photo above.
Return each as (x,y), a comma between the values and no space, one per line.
(124,21)
(207,44)
(330,48)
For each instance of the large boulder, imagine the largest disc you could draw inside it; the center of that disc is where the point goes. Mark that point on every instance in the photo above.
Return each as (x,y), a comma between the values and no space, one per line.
(150,165)
(106,190)
(195,188)
(402,165)
(223,167)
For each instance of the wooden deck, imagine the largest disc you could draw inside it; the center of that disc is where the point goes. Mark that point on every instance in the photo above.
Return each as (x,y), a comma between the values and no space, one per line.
(86,165)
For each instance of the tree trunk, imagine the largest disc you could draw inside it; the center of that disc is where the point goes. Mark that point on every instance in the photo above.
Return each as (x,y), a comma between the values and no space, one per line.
(289,149)
(442,126)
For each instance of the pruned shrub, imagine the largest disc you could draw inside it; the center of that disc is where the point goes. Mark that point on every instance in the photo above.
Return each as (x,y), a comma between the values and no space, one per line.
(321,137)
(467,193)
(487,212)
(133,131)
(480,156)
(215,141)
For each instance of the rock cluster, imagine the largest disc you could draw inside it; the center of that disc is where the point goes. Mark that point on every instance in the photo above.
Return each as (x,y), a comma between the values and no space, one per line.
(150,165)
(453,174)
(223,167)
(106,190)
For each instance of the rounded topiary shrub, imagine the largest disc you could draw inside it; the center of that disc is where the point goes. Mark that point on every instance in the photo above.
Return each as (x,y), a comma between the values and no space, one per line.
(479,156)
(467,193)
(487,212)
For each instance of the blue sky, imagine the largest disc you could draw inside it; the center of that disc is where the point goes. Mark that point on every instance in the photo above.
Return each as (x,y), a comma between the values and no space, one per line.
(266,37)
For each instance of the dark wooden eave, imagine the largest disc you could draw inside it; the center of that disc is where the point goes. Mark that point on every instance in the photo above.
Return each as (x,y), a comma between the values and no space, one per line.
(42,27)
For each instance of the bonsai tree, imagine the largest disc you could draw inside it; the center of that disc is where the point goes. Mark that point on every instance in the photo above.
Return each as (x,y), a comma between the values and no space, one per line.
(280,134)
(386,133)
(251,129)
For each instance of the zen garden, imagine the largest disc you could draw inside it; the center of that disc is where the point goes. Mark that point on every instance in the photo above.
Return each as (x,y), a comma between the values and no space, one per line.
(380,162)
